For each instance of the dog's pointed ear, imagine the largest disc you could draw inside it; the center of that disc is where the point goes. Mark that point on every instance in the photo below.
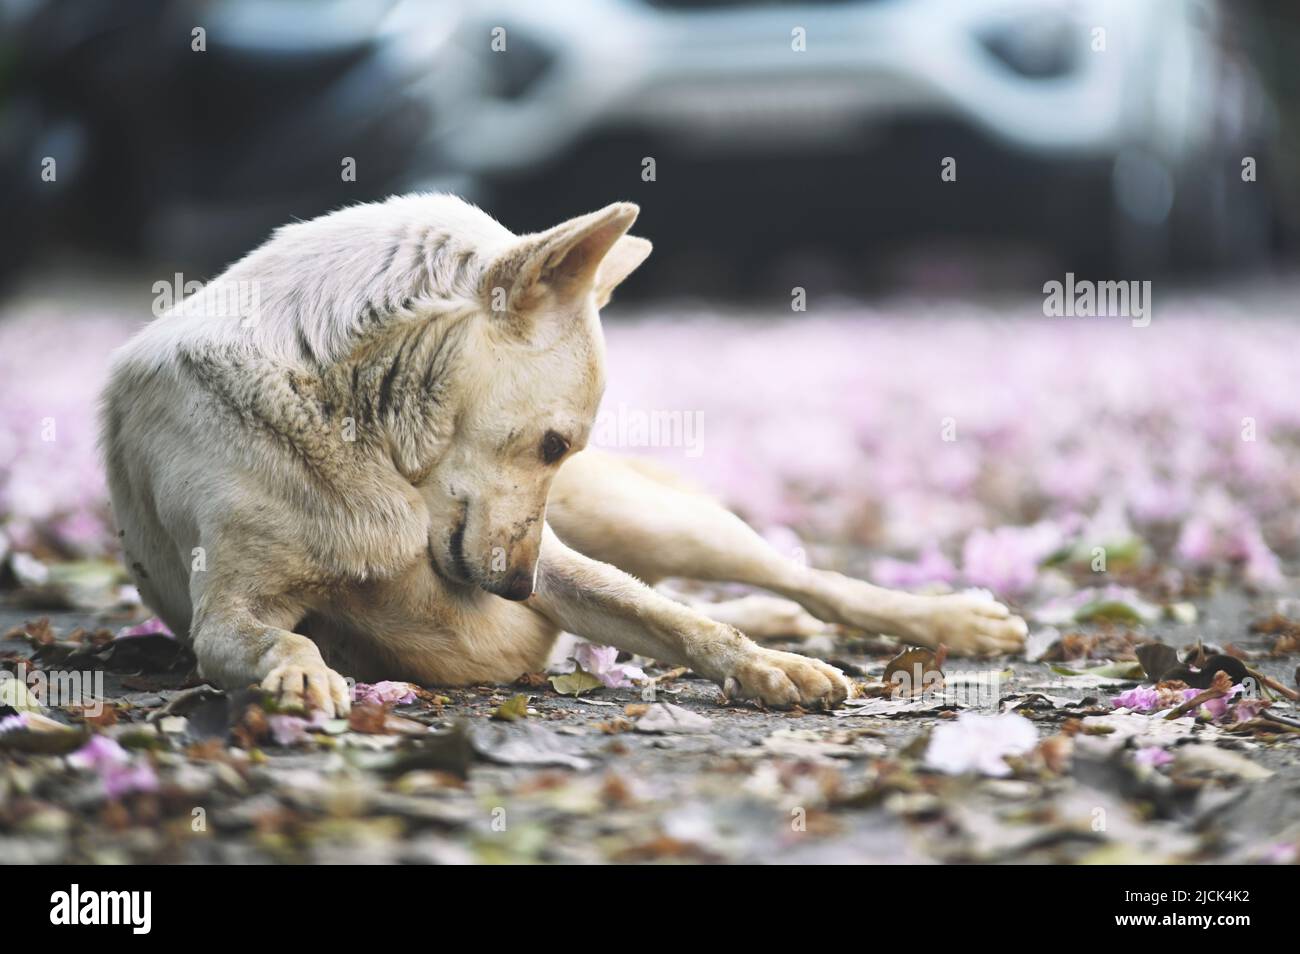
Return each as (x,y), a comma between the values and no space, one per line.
(564,262)
(621,261)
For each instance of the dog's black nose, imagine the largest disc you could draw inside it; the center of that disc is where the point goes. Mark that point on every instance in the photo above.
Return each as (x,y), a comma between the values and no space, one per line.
(518,586)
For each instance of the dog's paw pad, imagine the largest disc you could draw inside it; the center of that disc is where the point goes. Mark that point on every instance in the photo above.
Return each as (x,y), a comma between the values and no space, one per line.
(311,687)
(971,626)
(782,680)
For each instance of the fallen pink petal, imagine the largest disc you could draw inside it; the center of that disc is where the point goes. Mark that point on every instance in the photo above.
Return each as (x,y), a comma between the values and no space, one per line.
(602,662)
(288,730)
(930,567)
(1007,559)
(1152,756)
(384,693)
(1138,699)
(13,722)
(120,771)
(979,743)
(150,627)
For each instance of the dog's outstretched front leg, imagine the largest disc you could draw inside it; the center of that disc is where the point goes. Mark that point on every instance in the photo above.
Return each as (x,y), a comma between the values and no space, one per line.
(615,510)
(235,646)
(602,603)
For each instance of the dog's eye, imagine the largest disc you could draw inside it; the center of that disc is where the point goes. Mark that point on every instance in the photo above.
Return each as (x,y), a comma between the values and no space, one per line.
(553,447)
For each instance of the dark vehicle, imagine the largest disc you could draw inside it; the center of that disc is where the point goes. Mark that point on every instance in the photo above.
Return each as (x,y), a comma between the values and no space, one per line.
(187,130)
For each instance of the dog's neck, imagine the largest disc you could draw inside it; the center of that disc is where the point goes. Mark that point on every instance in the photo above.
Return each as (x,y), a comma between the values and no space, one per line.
(392,395)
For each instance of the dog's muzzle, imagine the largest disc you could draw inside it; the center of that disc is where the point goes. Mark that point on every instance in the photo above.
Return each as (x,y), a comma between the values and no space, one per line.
(517,587)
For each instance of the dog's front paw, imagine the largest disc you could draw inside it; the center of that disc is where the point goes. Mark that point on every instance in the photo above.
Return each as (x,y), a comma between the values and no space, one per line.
(312,686)
(782,680)
(969,624)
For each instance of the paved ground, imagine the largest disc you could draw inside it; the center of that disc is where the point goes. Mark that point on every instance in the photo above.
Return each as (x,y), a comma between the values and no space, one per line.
(1054,416)
(577,780)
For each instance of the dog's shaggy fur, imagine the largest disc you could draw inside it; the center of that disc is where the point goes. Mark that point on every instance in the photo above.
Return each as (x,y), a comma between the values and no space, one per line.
(378,458)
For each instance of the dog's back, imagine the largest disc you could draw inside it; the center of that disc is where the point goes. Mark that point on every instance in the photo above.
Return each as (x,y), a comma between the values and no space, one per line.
(183,391)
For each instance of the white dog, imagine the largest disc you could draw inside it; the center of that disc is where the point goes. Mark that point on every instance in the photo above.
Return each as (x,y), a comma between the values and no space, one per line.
(379,459)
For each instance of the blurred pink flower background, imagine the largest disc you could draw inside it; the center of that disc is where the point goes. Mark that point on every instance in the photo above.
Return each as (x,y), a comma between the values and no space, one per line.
(831,426)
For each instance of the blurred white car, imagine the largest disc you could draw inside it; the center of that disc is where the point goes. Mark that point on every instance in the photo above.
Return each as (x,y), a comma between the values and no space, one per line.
(1137,100)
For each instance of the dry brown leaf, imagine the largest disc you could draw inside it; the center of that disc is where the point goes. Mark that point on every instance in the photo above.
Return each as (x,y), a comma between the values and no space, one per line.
(914,672)
(369,719)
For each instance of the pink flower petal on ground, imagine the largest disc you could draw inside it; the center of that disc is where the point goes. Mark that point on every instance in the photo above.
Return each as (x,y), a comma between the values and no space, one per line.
(863,377)
(150,627)
(931,567)
(288,730)
(381,693)
(975,742)
(98,752)
(1152,756)
(1282,853)
(1247,709)
(10,723)
(1139,699)
(119,770)
(1216,709)
(1006,559)
(1196,542)
(1261,567)
(1223,532)
(138,776)
(1225,709)
(602,662)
